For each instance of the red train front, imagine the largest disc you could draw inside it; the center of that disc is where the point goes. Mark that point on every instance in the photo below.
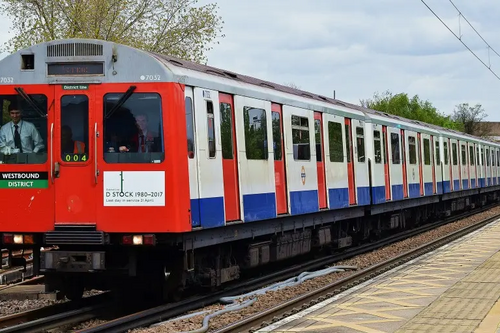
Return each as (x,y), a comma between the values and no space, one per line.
(90,160)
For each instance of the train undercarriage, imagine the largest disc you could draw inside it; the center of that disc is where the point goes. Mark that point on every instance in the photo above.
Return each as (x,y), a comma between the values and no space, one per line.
(165,269)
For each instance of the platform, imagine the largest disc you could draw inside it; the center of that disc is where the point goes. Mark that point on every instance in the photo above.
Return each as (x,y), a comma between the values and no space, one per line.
(455,288)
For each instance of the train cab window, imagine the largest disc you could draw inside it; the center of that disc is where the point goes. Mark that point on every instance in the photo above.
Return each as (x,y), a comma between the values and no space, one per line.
(438,156)
(427,152)
(412,150)
(471,155)
(317,133)
(211,129)
(133,128)
(454,153)
(255,133)
(23,132)
(464,155)
(300,139)
(190,127)
(336,146)
(226,131)
(445,153)
(277,136)
(360,144)
(377,146)
(74,128)
(395,148)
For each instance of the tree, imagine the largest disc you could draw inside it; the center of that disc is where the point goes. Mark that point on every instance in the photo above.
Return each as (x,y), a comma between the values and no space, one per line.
(410,108)
(470,118)
(174,27)
(291,85)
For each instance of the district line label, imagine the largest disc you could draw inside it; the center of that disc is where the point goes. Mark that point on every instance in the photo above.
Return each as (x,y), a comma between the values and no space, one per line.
(24,180)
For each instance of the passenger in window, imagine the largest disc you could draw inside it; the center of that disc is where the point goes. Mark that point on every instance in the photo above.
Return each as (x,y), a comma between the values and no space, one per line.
(19,136)
(145,141)
(68,145)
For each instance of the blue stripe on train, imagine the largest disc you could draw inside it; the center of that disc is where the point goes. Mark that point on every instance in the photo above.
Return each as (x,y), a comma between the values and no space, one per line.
(338,197)
(465,184)
(303,202)
(439,187)
(397,192)
(260,206)
(456,185)
(363,195)
(428,190)
(207,212)
(473,183)
(414,190)
(446,186)
(378,194)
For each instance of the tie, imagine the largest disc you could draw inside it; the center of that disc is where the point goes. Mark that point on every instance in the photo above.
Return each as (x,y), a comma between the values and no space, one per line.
(141,141)
(17,139)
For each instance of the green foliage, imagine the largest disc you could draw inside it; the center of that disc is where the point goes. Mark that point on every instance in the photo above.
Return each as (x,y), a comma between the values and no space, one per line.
(174,27)
(411,108)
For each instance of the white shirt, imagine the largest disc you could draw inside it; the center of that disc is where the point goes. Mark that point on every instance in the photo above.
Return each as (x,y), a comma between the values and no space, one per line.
(31,140)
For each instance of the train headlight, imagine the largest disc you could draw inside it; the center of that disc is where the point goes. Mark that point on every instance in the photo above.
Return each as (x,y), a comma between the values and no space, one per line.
(137,240)
(18,239)
(8,238)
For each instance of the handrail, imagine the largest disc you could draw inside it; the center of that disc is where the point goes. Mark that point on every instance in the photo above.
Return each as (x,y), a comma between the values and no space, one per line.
(96,171)
(52,152)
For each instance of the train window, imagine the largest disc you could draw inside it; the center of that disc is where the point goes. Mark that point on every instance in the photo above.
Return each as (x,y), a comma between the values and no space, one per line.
(360,143)
(377,146)
(335,142)
(482,156)
(130,132)
(211,129)
(255,133)
(438,156)
(26,143)
(348,143)
(317,133)
(412,150)
(277,136)
(454,153)
(190,126)
(464,154)
(384,147)
(498,158)
(445,152)
(427,152)
(471,155)
(300,138)
(75,128)
(226,131)
(395,148)
(487,157)
(477,156)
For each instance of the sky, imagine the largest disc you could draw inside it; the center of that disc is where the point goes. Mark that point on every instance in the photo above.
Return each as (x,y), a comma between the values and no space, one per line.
(360,47)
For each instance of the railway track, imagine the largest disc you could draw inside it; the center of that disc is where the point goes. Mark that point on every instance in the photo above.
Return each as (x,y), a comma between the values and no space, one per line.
(54,316)
(168,311)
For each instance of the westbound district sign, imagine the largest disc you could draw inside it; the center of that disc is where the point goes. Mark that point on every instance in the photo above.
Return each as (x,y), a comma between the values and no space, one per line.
(24,180)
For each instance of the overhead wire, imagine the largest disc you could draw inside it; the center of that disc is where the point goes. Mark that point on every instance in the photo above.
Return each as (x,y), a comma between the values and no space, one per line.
(460,39)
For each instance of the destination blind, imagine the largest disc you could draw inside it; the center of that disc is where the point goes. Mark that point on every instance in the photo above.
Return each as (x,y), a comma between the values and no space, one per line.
(24,180)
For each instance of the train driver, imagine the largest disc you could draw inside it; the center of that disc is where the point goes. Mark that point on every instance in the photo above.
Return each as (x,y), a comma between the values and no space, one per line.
(68,145)
(19,136)
(145,140)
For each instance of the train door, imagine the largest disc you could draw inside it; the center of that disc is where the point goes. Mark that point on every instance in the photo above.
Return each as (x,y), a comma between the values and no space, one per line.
(387,174)
(403,160)
(192,157)
(420,162)
(279,160)
(350,162)
(433,166)
(320,161)
(26,177)
(229,158)
(74,154)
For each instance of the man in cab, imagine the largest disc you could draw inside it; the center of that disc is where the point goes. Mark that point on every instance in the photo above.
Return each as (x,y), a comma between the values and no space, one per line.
(18,135)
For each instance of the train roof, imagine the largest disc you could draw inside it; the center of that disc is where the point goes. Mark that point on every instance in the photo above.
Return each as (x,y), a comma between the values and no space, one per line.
(178,70)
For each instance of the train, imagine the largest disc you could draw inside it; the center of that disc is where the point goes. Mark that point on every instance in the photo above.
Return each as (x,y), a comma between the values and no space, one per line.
(140,171)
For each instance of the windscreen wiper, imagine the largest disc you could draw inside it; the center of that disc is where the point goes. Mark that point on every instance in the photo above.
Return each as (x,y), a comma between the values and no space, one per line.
(28,99)
(121,101)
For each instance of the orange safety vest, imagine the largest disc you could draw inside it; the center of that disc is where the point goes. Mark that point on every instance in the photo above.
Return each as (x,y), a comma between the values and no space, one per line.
(79,147)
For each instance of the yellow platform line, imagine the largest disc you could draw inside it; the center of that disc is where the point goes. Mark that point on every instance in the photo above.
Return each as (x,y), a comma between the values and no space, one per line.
(491,321)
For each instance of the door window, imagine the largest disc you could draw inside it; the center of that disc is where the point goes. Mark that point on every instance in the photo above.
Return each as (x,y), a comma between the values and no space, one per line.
(74,128)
